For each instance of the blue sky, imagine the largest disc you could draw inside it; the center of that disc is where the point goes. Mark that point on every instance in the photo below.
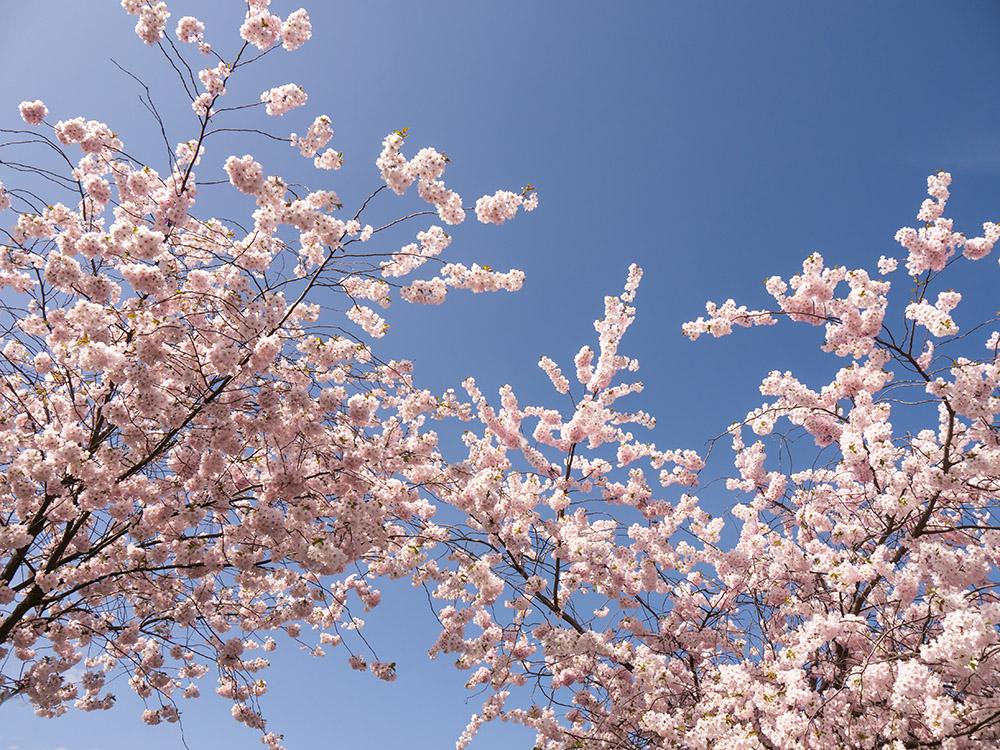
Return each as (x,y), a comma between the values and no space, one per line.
(713,143)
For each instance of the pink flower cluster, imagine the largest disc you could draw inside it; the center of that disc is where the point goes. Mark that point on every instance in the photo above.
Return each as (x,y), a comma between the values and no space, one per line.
(935,318)
(316,137)
(502,206)
(426,167)
(433,242)
(282,99)
(190,30)
(370,321)
(92,136)
(245,174)
(886,265)
(296,30)
(153,17)
(852,321)
(214,79)
(978,248)
(262,29)
(33,112)
(329,159)
(931,246)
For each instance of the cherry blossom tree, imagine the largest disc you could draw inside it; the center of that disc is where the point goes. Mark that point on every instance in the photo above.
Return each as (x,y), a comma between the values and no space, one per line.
(195,453)
(851,602)
(201,460)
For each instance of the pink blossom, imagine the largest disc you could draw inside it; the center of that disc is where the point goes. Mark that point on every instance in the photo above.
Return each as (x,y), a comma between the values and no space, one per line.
(886,265)
(935,318)
(978,248)
(245,174)
(190,30)
(318,135)
(371,322)
(214,79)
(296,30)
(497,208)
(281,99)
(153,17)
(33,112)
(261,29)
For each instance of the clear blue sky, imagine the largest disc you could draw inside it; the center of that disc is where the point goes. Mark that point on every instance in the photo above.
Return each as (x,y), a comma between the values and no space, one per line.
(713,143)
